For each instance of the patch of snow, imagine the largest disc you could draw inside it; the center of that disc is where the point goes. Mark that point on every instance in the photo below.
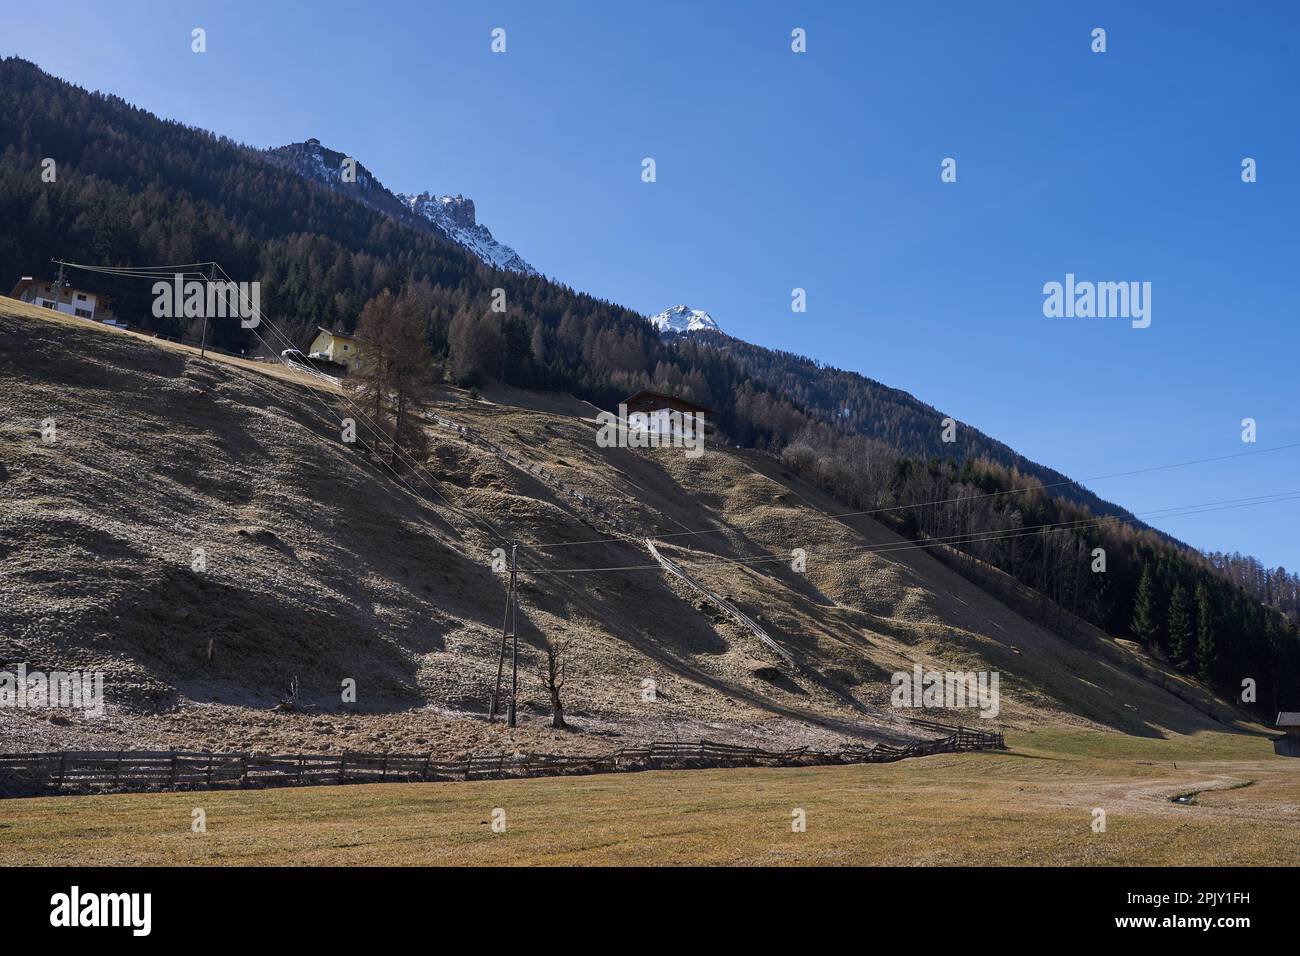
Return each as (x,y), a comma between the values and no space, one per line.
(681,318)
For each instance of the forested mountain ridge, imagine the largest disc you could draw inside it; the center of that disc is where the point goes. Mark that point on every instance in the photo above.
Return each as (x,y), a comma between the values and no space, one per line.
(320,164)
(133,189)
(851,403)
(451,217)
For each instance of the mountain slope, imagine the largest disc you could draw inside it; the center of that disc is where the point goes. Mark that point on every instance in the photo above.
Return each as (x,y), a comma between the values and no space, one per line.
(322,566)
(853,403)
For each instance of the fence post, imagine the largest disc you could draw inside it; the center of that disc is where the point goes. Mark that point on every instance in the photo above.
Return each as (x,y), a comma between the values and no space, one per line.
(117,773)
(343,759)
(173,770)
(63,767)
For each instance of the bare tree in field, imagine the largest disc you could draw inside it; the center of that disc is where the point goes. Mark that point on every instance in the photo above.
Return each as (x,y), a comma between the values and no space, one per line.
(553,667)
(394,373)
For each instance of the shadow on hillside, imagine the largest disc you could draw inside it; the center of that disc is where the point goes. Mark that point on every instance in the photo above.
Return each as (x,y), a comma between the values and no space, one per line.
(222,644)
(669,653)
(1072,671)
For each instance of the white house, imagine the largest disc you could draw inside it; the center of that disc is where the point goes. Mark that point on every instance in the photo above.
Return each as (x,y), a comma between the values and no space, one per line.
(85,305)
(661,414)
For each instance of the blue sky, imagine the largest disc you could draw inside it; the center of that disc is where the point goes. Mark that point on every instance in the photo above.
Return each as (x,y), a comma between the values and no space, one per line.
(821,171)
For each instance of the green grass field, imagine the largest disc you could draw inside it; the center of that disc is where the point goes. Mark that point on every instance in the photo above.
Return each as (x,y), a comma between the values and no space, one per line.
(1033,805)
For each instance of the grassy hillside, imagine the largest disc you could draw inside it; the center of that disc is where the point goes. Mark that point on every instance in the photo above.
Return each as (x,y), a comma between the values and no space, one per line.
(323,566)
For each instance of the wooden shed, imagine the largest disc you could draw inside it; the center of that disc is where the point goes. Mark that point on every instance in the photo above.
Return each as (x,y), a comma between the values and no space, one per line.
(1288,745)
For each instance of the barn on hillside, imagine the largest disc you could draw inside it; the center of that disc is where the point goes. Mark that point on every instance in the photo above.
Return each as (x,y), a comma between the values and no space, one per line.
(658,408)
(1288,745)
(648,403)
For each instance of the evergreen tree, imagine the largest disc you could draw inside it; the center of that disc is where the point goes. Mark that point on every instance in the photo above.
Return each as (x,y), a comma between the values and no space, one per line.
(1144,626)
(1179,626)
(1206,646)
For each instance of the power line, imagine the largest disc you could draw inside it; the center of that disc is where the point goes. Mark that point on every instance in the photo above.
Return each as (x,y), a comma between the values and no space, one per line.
(150,272)
(512,593)
(372,428)
(510,628)
(941,501)
(376,432)
(970,537)
(162,272)
(483,524)
(1001,535)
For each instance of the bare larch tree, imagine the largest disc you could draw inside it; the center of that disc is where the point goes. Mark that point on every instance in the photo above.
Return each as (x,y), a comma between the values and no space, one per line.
(553,666)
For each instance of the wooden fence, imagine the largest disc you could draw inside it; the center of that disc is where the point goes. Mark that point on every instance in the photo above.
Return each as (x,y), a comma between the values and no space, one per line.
(138,770)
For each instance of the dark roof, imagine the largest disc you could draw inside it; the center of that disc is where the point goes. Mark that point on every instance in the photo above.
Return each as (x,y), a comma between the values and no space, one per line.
(25,281)
(646,393)
(1289,718)
(337,335)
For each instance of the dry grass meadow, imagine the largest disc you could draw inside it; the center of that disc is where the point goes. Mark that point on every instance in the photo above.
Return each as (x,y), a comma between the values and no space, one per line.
(1031,806)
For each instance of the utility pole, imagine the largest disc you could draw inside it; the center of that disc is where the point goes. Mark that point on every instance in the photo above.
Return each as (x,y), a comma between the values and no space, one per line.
(1043,586)
(203,341)
(508,632)
(58,288)
(514,638)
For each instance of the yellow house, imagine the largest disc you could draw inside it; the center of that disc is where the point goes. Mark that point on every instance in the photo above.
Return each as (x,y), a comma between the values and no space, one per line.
(334,347)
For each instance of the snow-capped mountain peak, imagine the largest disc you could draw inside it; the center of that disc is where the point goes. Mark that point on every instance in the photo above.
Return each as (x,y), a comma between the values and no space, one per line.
(450,216)
(681,318)
(454,215)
